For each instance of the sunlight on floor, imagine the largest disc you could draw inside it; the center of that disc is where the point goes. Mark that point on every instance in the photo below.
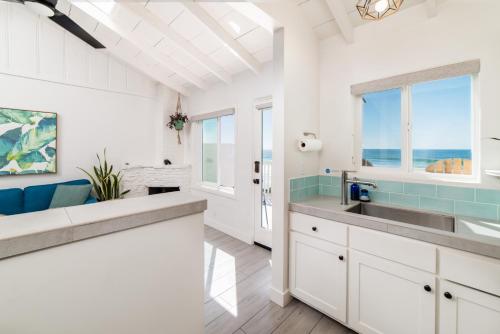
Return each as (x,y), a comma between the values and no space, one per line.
(220,271)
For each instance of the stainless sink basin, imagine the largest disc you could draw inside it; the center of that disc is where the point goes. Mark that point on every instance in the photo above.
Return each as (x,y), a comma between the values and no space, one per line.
(415,217)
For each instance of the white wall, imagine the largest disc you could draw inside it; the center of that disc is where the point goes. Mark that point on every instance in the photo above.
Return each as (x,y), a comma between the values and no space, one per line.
(407,42)
(233,215)
(100,102)
(296,109)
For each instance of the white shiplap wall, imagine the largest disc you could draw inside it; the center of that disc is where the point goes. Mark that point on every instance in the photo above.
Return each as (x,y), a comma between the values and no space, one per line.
(37,48)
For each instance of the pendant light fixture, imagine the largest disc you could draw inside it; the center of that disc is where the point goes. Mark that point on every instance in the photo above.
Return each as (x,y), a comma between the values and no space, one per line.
(377,9)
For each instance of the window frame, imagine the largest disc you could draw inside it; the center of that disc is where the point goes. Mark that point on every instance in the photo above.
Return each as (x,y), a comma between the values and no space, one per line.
(406,170)
(215,187)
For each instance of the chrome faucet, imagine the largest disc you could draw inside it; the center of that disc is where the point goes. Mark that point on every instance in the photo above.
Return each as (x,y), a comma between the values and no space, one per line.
(344,181)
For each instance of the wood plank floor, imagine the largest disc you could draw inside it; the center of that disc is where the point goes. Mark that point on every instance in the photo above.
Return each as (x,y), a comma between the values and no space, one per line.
(237,286)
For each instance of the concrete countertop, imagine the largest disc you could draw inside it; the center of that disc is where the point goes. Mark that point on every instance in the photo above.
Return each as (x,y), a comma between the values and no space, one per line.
(475,235)
(30,232)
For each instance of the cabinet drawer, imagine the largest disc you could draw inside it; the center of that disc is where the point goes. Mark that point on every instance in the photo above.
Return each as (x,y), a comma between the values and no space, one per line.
(319,228)
(392,247)
(476,271)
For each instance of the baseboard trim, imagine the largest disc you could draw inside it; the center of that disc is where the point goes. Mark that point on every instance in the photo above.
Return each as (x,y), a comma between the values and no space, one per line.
(229,231)
(282,298)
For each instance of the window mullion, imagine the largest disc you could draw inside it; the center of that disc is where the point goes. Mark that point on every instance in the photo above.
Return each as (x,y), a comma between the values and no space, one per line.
(405,137)
(218,153)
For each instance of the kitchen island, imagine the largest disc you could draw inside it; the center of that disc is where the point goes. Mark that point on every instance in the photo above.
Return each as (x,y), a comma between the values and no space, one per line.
(124,266)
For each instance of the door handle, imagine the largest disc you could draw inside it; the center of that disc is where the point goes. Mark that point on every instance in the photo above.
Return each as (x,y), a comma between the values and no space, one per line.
(256,167)
(256,181)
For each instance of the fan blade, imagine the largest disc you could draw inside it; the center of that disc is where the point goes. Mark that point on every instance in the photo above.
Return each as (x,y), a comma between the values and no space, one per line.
(76,30)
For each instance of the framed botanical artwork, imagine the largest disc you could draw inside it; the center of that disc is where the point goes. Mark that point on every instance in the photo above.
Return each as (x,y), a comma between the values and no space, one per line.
(28,142)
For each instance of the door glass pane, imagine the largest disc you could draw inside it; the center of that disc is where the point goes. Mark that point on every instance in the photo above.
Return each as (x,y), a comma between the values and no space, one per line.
(442,126)
(267,158)
(381,141)
(209,150)
(227,151)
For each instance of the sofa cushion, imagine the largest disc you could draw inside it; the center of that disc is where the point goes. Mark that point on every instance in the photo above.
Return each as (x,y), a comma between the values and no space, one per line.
(66,195)
(11,201)
(37,198)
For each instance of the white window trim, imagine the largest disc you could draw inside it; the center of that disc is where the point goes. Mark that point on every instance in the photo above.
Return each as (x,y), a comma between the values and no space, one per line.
(406,171)
(211,187)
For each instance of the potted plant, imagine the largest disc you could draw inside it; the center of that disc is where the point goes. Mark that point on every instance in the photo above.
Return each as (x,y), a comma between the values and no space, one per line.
(106,184)
(178,119)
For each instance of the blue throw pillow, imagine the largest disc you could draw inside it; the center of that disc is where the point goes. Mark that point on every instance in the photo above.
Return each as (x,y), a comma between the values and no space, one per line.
(66,195)
(37,198)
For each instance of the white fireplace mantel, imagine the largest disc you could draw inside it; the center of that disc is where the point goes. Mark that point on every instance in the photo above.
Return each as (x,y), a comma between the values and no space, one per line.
(138,177)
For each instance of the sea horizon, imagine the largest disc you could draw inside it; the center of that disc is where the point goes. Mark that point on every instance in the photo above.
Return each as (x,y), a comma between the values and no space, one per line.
(421,157)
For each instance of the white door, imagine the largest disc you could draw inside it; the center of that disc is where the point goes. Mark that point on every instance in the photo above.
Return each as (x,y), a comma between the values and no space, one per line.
(386,297)
(464,310)
(262,173)
(318,274)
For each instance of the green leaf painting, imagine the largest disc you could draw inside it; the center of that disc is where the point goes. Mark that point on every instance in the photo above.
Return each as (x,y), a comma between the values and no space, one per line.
(27,142)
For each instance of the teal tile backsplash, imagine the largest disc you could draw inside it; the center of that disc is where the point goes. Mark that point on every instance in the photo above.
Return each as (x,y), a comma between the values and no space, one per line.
(474,202)
(487,211)
(458,193)
(437,204)
(420,189)
(488,196)
(405,200)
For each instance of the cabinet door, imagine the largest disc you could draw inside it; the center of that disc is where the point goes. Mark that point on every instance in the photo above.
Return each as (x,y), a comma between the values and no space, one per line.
(386,297)
(464,310)
(318,274)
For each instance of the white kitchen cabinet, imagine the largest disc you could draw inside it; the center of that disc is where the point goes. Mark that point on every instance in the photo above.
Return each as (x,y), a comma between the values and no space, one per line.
(465,310)
(318,274)
(386,297)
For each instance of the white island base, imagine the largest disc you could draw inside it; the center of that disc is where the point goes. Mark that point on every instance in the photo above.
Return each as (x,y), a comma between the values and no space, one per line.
(147,279)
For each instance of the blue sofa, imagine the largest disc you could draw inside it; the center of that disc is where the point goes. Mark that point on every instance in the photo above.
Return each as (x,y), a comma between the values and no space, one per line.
(33,198)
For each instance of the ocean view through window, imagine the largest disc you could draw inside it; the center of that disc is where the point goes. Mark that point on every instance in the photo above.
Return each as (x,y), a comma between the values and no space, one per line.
(439,135)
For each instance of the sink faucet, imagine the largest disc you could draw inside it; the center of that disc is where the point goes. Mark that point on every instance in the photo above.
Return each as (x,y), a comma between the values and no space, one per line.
(344,181)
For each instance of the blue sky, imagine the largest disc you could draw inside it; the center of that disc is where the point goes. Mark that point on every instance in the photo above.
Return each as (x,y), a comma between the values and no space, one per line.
(441,116)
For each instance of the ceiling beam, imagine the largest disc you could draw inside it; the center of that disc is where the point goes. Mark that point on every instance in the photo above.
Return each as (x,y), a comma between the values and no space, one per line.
(107,21)
(431,7)
(342,19)
(213,26)
(254,14)
(153,19)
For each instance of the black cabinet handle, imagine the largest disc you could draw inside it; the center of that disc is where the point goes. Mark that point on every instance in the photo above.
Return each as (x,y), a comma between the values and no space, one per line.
(447,295)
(314,228)
(341,257)
(427,288)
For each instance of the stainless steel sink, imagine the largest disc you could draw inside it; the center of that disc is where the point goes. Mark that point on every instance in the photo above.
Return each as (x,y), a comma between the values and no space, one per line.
(415,217)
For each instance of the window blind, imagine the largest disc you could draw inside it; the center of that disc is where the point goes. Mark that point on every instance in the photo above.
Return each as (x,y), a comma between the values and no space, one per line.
(454,70)
(214,114)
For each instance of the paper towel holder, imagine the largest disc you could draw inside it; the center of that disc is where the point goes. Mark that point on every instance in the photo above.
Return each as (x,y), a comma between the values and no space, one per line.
(306,133)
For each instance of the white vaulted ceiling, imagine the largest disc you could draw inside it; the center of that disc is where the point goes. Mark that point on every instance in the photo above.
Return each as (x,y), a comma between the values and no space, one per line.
(323,21)
(180,44)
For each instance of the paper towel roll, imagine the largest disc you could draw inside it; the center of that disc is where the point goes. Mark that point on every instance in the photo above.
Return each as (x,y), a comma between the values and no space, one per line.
(309,144)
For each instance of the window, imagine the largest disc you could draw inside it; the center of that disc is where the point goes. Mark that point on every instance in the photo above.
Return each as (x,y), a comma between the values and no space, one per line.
(382,129)
(424,128)
(218,151)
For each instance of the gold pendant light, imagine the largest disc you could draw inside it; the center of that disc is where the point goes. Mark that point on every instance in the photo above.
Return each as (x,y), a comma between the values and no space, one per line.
(377,9)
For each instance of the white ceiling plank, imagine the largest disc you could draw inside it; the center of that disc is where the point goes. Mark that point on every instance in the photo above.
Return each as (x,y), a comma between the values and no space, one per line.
(141,64)
(107,20)
(179,41)
(254,14)
(431,7)
(342,18)
(234,46)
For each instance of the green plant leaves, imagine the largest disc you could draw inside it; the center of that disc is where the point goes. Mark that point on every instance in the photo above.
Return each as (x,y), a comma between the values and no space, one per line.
(106,184)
